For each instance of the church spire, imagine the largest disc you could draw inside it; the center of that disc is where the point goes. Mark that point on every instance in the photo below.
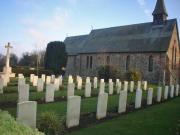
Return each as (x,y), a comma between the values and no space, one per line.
(160,14)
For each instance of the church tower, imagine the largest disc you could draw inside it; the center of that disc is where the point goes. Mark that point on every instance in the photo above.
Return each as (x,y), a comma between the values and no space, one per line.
(159,14)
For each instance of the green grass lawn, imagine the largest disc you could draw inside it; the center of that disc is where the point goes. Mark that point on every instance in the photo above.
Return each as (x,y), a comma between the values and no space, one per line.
(140,122)
(156,120)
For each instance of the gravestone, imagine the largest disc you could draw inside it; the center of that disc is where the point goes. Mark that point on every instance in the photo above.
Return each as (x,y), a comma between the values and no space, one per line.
(166,92)
(159,94)
(70,79)
(70,89)
(122,101)
(172,91)
(5,80)
(26,113)
(117,81)
(126,85)
(118,87)
(73,111)
(88,89)
(177,90)
(79,83)
(53,78)
(145,85)
(60,80)
(23,94)
(1,85)
(35,79)
(139,85)
(49,93)
(138,99)
(21,81)
(131,86)
(101,87)
(20,76)
(56,84)
(102,106)
(95,83)
(150,96)
(40,85)
(48,79)
(88,80)
(43,77)
(31,78)
(111,87)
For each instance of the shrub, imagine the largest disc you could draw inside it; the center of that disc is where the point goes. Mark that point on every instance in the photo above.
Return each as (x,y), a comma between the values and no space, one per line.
(50,124)
(133,75)
(26,71)
(108,72)
(8,126)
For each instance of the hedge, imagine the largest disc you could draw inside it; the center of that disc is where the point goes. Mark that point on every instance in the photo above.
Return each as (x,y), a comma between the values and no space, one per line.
(8,126)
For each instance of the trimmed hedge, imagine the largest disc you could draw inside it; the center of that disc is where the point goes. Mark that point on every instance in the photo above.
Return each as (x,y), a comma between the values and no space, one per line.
(8,126)
(26,71)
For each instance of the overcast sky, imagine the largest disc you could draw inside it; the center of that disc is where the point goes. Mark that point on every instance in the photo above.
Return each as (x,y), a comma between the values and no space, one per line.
(31,24)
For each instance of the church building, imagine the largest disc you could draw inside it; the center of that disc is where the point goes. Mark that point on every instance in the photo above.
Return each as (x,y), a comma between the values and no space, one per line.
(152,48)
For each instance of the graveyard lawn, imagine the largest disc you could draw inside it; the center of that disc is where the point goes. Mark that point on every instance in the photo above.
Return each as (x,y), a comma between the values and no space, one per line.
(160,119)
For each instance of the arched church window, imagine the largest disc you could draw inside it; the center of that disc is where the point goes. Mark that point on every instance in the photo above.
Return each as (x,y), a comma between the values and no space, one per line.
(151,63)
(108,60)
(127,63)
(87,61)
(91,61)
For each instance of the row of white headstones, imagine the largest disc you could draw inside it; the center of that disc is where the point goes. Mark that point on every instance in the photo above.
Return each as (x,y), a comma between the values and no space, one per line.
(27,109)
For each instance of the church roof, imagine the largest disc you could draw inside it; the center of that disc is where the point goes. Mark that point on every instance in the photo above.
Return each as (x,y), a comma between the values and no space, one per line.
(160,8)
(136,38)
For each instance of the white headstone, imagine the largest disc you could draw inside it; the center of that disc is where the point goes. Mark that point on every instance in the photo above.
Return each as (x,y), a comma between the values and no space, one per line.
(50,93)
(145,85)
(102,87)
(20,76)
(150,96)
(1,85)
(117,81)
(79,83)
(31,77)
(56,84)
(122,101)
(177,90)
(118,87)
(5,80)
(48,79)
(102,106)
(172,91)
(138,98)
(43,77)
(88,80)
(53,78)
(26,113)
(23,94)
(21,81)
(70,89)
(35,79)
(166,92)
(111,87)
(73,111)
(131,86)
(126,85)
(139,85)
(95,82)
(159,94)
(70,79)
(60,80)
(40,85)
(88,89)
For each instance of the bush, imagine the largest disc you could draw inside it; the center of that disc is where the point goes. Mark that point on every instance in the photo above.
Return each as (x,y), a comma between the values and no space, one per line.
(8,126)
(50,124)
(133,75)
(108,72)
(26,71)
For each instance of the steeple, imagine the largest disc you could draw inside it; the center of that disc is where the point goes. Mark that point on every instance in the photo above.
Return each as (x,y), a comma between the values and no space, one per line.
(160,14)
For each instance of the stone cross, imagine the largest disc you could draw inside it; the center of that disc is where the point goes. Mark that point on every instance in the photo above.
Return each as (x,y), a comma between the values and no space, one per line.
(8,47)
